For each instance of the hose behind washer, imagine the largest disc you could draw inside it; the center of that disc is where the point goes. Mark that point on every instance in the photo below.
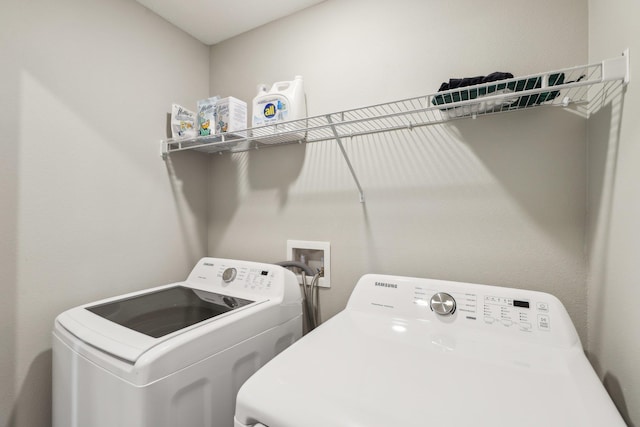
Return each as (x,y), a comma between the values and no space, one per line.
(309,292)
(298,264)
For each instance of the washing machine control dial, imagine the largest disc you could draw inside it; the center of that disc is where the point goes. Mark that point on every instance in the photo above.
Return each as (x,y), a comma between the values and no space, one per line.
(229,274)
(443,304)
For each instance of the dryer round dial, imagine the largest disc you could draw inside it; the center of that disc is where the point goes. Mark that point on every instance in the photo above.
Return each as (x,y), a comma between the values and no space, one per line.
(443,304)
(229,274)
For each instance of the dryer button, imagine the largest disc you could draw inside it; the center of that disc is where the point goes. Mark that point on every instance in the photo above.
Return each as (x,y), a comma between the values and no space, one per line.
(544,322)
(443,304)
(542,306)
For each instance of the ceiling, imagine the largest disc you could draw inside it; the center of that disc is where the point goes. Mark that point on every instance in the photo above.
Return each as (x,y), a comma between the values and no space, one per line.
(212,21)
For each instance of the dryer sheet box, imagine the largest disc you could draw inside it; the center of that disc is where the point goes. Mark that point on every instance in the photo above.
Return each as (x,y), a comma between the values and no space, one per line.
(231,116)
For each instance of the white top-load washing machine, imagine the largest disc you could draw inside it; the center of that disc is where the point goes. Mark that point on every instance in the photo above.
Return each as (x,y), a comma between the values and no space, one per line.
(174,355)
(417,352)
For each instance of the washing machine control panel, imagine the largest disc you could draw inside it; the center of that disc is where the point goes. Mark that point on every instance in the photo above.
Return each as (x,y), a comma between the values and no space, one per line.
(247,277)
(233,277)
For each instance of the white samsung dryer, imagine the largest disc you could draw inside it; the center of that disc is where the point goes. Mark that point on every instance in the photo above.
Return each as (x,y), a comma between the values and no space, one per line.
(174,355)
(418,352)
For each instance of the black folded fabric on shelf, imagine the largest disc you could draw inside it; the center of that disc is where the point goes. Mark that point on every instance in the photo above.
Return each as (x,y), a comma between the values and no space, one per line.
(471,81)
(535,83)
(512,86)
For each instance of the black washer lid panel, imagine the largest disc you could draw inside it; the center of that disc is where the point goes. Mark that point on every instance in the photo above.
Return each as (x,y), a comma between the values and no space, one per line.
(162,312)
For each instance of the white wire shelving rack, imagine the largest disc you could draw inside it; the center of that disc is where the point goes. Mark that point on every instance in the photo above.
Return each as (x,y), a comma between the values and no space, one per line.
(569,87)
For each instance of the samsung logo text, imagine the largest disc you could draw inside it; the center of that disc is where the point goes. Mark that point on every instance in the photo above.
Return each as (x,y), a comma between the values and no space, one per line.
(386,285)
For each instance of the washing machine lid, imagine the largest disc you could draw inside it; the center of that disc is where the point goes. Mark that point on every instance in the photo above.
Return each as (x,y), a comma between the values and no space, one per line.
(130,325)
(388,360)
(161,312)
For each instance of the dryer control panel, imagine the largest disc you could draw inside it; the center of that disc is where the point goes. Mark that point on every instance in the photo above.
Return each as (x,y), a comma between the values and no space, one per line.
(523,313)
(466,305)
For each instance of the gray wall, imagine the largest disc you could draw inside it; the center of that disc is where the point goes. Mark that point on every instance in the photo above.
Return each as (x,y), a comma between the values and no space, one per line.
(498,200)
(614,213)
(89,209)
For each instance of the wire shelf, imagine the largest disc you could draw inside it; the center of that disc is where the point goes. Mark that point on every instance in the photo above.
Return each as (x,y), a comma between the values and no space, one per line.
(565,87)
(569,88)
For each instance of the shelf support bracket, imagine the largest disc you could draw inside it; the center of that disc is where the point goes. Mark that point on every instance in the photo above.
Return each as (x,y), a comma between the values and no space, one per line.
(164,150)
(617,68)
(346,157)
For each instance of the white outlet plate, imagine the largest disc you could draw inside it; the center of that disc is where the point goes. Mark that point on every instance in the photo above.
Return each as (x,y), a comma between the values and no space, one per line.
(314,260)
